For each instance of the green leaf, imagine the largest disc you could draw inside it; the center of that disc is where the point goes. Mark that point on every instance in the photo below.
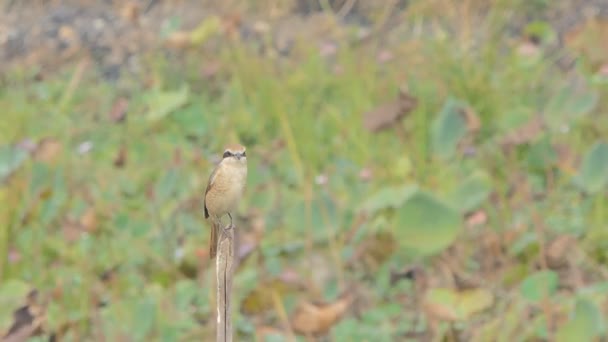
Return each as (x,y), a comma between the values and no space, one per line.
(593,175)
(586,323)
(145,317)
(12,296)
(163,103)
(10,160)
(472,192)
(539,285)
(448,128)
(570,103)
(387,197)
(460,304)
(425,224)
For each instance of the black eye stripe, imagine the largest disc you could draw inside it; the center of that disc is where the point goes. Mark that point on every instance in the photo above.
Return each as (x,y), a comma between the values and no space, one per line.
(244,154)
(227,154)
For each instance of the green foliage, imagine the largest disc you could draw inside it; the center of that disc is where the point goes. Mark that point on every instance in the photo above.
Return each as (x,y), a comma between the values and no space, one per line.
(426,224)
(539,286)
(585,324)
(593,175)
(109,227)
(448,128)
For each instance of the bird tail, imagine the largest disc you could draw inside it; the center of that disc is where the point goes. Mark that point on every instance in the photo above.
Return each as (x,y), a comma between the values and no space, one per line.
(213,240)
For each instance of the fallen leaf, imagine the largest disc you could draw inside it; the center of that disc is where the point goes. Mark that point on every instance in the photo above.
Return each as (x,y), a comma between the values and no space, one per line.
(178,40)
(590,39)
(71,230)
(259,300)
(374,250)
(88,220)
(528,49)
(316,319)
(388,114)
(27,320)
(119,110)
(472,119)
(567,160)
(47,150)
(130,11)
(559,250)
(476,218)
(121,157)
(523,134)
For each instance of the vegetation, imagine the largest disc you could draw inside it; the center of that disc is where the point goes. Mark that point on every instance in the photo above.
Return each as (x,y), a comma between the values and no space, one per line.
(436,178)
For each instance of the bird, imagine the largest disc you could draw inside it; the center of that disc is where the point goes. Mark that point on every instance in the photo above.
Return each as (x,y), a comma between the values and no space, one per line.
(225,189)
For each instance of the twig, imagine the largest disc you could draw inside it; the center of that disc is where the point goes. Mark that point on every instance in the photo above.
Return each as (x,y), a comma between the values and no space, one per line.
(224,267)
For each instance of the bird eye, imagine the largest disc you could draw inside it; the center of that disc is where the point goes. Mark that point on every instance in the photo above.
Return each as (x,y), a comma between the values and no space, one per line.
(227,154)
(244,154)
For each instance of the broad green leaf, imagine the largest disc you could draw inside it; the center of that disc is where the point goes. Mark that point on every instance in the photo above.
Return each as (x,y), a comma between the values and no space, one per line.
(10,160)
(12,296)
(541,155)
(162,103)
(425,224)
(459,304)
(539,285)
(568,104)
(585,324)
(145,317)
(205,30)
(387,197)
(472,192)
(448,128)
(593,175)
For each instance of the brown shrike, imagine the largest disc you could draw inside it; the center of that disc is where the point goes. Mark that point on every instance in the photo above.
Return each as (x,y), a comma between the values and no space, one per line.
(224,190)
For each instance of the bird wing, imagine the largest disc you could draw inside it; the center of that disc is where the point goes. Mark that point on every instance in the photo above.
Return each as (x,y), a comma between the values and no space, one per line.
(209,186)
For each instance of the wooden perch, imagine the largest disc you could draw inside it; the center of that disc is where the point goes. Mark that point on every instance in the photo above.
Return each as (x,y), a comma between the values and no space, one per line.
(223,270)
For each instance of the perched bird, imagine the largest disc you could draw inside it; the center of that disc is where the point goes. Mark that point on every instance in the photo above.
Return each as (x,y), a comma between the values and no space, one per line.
(224,190)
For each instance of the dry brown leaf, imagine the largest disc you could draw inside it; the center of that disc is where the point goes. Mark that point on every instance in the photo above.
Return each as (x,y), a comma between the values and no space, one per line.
(179,40)
(68,34)
(590,39)
(130,11)
(88,220)
(259,300)
(121,157)
(28,320)
(528,48)
(567,160)
(388,114)
(440,312)
(472,120)
(523,134)
(71,230)
(47,150)
(374,251)
(316,319)
(119,110)
(559,250)
(477,218)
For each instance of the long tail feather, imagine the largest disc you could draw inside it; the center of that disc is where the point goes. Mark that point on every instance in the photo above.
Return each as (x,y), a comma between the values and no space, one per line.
(213,240)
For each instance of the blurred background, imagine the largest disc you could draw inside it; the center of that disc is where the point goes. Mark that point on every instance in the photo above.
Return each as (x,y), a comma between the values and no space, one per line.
(422,170)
